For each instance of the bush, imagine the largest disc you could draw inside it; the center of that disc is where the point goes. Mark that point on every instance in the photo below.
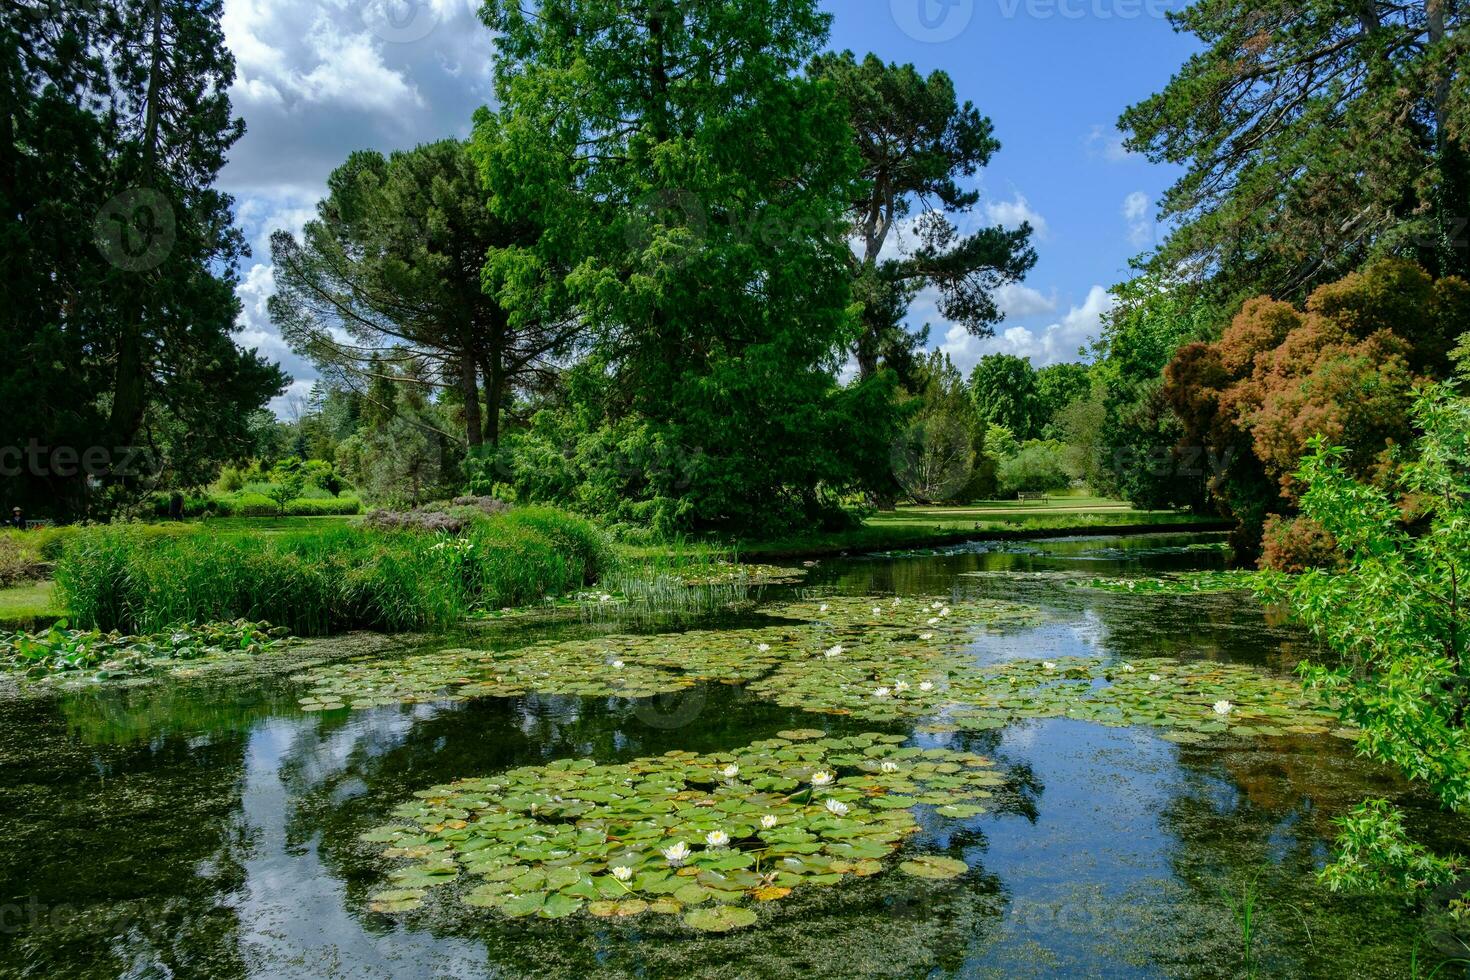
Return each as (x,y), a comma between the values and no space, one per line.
(136,579)
(1297,544)
(1036,467)
(343,506)
(452,517)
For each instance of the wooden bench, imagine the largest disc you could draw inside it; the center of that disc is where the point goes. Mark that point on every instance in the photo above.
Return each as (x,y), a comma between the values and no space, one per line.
(1034,497)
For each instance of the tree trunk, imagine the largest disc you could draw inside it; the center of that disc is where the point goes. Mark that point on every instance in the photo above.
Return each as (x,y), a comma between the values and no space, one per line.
(469,388)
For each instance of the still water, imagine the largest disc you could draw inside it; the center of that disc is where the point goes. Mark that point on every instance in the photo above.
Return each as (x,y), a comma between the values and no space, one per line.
(209,828)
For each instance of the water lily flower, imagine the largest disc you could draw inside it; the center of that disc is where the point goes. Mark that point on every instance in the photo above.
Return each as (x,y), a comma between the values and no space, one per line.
(1223,707)
(944,611)
(877,610)
(897,601)
(881,692)
(927,686)
(763,647)
(837,808)
(1048,665)
(730,771)
(926,636)
(822,607)
(717,838)
(677,854)
(932,620)
(900,685)
(937,605)
(821,777)
(1126,668)
(1154,677)
(768,821)
(889,766)
(622,872)
(834,651)
(617,664)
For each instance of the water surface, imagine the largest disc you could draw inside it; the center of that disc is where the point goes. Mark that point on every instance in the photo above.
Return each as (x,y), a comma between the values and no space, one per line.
(209,828)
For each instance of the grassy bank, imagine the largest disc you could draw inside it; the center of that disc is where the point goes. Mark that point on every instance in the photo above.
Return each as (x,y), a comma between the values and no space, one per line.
(29,606)
(926,527)
(321,581)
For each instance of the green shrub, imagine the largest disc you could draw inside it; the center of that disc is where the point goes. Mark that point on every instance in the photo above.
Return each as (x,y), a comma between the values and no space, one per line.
(144,578)
(345,505)
(1036,467)
(312,582)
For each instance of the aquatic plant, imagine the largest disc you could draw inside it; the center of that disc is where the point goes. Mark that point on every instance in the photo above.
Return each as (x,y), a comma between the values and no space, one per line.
(63,651)
(677,834)
(1182,583)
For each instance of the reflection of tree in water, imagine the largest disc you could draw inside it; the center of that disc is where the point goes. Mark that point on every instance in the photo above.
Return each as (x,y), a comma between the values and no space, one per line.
(1257,820)
(116,857)
(891,924)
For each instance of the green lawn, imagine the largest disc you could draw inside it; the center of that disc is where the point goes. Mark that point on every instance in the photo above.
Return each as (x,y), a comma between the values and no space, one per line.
(28,606)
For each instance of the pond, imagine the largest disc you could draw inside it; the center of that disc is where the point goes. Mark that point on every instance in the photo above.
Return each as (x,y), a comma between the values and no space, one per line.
(208,827)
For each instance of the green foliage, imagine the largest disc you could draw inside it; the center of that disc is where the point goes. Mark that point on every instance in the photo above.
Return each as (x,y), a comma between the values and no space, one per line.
(122,256)
(916,142)
(1375,855)
(1036,466)
(59,651)
(1003,387)
(316,582)
(692,188)
(935,459)
(1313,138)
(1395,618)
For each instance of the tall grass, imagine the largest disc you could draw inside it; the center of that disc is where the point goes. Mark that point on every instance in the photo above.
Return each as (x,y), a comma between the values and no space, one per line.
(317,582)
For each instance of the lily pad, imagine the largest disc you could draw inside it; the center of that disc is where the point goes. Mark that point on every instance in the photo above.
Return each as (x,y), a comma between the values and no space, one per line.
(720,918)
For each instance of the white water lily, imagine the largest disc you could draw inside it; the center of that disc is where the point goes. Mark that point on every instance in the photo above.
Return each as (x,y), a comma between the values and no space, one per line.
(900,685)
(932,620)
(617,664)
(836,808)
(937,605)
(1047,664)
(768,821)
(926,636)
(717,838)
(676,854)
(622,872)
(763,647)
(1223,707)
(877,610)
(834,651)
(927,686)
(1154,677)
(821,777)
(944,611)
(730,771)
(1126,668)
(881,692)
(822,607)
(889,766)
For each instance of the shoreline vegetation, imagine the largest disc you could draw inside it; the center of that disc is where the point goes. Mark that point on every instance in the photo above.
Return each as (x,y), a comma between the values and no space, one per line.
(320,575)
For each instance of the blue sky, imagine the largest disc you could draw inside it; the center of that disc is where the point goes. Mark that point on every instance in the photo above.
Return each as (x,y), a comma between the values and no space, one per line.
(320,78)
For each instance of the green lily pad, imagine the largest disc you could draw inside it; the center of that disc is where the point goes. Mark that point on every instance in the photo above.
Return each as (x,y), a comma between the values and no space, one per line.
(720,918)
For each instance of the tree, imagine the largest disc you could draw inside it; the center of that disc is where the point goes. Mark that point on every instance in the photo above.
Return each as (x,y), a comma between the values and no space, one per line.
(916,142)
(394,261)
(1396,622)
(1343,368)
(1057,386)
(118,123)
(934,460)
(1314,136)
(1003,387)
(693,185)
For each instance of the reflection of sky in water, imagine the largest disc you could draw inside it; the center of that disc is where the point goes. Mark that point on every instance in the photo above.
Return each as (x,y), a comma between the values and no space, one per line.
(1120,859)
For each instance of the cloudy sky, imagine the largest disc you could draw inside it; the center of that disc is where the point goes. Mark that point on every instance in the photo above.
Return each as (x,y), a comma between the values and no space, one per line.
(320,78)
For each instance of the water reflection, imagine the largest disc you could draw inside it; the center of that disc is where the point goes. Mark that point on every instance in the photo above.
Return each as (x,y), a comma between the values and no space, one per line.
(211,830)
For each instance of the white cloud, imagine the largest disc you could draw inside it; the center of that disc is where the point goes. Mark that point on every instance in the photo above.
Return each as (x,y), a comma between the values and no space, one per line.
(1017,300)
(1057,342)
(1012,213)
(1106,143)
(1137,211)
(318,79)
